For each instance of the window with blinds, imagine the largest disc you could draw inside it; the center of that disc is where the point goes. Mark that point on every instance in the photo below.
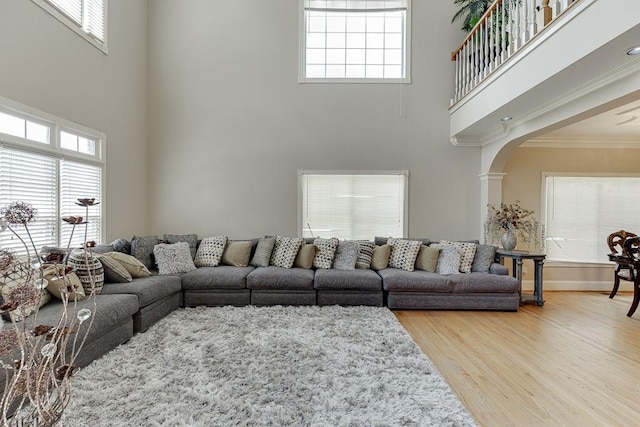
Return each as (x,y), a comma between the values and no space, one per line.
(581,212)
(355,40)
(50,177)
(356,206)
(86,17)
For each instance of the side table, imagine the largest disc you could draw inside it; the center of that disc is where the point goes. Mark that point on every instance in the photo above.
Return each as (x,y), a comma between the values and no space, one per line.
(538,262)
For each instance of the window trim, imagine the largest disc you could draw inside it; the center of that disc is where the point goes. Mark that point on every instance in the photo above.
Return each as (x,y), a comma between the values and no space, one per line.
(102,45)
(404,172)
(302,56)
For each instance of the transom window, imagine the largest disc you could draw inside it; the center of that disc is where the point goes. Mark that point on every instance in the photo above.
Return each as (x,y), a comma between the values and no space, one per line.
(355,40)
(353,205)
(50,162)
(85,17)
(581,212)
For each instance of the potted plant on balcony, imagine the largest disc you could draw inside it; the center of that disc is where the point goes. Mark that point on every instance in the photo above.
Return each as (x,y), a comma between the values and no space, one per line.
(470,12)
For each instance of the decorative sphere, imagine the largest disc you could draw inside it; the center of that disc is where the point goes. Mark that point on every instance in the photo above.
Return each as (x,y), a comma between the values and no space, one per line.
(84,314)
(40,283)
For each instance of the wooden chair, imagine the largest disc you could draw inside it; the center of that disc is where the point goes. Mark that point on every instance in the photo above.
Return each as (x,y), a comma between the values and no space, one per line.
(632,249)
(624,269)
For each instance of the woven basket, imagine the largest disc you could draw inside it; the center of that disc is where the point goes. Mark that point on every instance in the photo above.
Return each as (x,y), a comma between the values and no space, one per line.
(88,269)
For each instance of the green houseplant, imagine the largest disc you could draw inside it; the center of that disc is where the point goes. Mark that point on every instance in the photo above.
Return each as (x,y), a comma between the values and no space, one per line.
(470,12)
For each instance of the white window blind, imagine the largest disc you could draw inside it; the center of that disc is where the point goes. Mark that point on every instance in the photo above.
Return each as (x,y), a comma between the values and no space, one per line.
(353,206)
(87,17)
(31,178)
(581,212)
(79,180)
(355,40)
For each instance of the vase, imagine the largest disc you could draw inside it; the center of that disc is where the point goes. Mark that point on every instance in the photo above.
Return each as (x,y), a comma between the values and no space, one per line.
(509,240)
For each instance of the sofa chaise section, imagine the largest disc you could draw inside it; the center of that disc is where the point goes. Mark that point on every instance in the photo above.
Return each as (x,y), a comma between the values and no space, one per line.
(348,287)
(217,286)
(281,286)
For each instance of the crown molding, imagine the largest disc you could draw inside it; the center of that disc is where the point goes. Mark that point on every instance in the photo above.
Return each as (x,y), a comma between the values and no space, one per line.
(466,141)
(581,142)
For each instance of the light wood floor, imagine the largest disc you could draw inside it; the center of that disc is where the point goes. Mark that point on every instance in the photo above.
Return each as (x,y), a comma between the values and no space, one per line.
(573,362)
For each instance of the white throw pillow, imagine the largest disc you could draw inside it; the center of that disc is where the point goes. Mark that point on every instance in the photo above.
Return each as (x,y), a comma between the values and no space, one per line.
(173,258)
(210,251)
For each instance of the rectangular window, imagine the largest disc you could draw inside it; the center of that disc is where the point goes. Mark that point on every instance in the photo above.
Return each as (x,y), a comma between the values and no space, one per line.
(50,177)
(355,41)
(353,205)
(581,212)
(85,17)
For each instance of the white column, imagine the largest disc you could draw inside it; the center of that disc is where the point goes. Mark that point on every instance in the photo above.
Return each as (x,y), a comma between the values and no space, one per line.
(490,193)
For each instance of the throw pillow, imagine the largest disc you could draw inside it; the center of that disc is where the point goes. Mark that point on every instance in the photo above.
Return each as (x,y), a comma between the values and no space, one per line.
(191,239)
(448,260)
(89,270)
(346,255)
(130,263)
(173,258)
(142,249)
(467,252)
(114,272)
(403,253)
(209,253)
(365,253)
(305,256)
(427,259)
(264,248)
(380,257)
(122,245)
(101,249)
(485,256)
(60,283)
(237,253)
(326,252)
(16,286)
(285,251)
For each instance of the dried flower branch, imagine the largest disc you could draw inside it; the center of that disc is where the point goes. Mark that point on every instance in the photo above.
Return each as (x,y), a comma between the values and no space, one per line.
(512,217)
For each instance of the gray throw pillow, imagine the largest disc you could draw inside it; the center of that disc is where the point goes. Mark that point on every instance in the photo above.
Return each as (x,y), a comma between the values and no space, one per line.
(485,256)
(448,260)
(142,249)
(264,248)
(122,245)
(346,255)
(174,258)
(191,239)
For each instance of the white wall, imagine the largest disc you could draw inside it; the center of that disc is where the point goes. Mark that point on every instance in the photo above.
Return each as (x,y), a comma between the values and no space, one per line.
(230,125)
(47,66)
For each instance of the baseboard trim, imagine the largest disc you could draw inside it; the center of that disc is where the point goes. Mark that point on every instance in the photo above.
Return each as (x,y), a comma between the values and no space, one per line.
(571,285)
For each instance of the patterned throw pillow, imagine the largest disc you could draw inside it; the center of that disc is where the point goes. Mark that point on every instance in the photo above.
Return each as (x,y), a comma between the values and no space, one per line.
(403,253)
(448,260)
(467,253)
(173,258)
(130,263)
(365,254)
(237,253)
(427,259)
(14,288)
(58,282)
(114,272)
(142,249)
(346,255)
(485,256)
(262,256)
(191,239)
(285,251)
(89,270)
(326,252)
(210,251)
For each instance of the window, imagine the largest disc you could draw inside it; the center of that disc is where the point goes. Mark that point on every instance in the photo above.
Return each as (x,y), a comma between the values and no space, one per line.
(581,212)
(42,167)
(355,41)
(353,205)
(85,17)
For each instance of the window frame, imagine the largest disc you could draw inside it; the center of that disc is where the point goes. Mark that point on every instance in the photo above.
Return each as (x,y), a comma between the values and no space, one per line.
(302,45)
(54,151)
(102,45)
(404,173)
(544,207)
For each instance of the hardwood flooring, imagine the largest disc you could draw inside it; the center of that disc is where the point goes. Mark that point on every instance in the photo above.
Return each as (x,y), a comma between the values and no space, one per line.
(573,362)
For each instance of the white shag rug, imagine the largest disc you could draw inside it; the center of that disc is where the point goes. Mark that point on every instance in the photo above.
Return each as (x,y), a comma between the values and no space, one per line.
(276,366)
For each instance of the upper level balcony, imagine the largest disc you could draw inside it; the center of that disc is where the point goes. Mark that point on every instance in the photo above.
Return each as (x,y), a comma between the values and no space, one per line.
(526,59)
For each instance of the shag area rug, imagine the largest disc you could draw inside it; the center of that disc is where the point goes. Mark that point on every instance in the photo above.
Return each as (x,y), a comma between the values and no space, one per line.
(276,366)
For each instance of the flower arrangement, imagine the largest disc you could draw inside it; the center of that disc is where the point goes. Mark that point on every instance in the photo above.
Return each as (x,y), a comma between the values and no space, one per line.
(512,217)
(36,360)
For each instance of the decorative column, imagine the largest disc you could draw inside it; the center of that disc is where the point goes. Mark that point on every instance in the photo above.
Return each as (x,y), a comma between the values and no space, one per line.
(490,192)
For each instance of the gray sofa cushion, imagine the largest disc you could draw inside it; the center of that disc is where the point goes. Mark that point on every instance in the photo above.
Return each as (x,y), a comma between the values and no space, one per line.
(147,289)
(221,277)
(418,281)
(498,269)
(484,257)
(367,280)
(482,283)
(279,278)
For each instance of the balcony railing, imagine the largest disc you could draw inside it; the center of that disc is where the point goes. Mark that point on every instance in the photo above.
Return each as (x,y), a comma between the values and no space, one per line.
(502,31)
